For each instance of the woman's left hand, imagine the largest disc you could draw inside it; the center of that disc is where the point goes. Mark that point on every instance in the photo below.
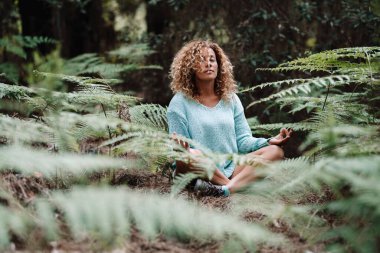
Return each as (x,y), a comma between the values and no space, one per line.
(282,137)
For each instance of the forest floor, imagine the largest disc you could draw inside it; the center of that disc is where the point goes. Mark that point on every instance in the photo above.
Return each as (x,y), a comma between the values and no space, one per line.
(26,189)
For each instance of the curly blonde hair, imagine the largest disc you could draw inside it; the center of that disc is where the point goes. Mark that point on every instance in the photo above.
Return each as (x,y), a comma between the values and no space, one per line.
(185,63)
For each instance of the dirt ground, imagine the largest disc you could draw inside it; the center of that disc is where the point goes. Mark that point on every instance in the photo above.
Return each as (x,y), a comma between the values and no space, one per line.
(27,188)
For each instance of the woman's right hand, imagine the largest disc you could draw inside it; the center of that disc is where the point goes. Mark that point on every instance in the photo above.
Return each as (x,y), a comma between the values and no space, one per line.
(184,144)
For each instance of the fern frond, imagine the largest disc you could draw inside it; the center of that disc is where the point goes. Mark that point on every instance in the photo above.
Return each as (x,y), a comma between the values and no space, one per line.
(345,140)
(181,181)
(24,131)
(34,41)
(150,115)
(280,175)
(9,73)
(87,99)
(15,44)
(305,87)
(274,204)
(291,180)
(269,129)
(13,47)
(272,211)
(132,53)
(106,213)
(15,91)
(348,108)
(332,61)
(302,176)
(29,161)
(62,137)
(12,222)
(93,64)
(276,84)
(88,126)
(91,83)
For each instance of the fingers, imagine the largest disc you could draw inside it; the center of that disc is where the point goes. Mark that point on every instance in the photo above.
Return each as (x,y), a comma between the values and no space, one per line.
(282,137)
(285,133)
(183,143)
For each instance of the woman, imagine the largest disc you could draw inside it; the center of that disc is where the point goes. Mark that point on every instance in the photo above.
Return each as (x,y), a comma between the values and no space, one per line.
(206,109)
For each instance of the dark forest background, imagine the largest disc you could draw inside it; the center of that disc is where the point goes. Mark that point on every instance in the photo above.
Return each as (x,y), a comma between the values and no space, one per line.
(85,154)
(253,33)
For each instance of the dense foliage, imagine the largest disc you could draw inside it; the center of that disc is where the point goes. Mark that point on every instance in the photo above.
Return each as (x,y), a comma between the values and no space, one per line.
(339,168)
(78,83)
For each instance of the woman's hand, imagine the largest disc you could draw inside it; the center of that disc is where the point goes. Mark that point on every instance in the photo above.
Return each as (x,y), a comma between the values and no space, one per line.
(186,145)
(282,137)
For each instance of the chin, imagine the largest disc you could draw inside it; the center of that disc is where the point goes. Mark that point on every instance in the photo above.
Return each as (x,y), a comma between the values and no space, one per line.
(209,78)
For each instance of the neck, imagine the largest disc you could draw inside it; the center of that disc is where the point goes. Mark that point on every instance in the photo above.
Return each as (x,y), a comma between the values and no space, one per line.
(206,88)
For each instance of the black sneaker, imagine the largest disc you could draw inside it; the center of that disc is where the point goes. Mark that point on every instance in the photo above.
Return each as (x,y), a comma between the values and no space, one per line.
(208,189)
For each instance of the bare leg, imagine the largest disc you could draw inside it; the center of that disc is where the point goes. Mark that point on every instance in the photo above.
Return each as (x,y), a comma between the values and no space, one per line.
(219,178)
(245,174)
(270,153)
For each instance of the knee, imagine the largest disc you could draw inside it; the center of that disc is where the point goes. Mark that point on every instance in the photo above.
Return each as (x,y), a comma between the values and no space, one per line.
(276,153)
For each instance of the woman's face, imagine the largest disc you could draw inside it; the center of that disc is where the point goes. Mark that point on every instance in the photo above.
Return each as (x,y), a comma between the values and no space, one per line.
(208,67)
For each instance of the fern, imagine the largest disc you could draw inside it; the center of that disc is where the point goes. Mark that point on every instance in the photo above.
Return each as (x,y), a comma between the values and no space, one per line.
(346,66)
(132,53)
(14,91)
(342,147)
(90,126)
(332,61)
(89,96)
(343,140)
(181,181)
(9,73)
(94,83)
(12,223)
(117,209)
(149,142)
(150,115)
(340,102)
(91,64)
(29,161)
(288,182)
(89,99)
(24,131)
(15,44)
(276,206)
(305,87)
(276,84)
(269,129)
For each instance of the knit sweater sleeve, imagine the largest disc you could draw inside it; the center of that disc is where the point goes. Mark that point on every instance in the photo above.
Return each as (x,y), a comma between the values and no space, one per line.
(177,119)
(245,141)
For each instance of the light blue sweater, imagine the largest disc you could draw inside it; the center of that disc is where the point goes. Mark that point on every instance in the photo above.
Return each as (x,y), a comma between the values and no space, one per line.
(222,128)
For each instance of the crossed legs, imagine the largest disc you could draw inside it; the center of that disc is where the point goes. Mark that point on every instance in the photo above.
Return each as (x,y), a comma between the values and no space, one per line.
(242,175)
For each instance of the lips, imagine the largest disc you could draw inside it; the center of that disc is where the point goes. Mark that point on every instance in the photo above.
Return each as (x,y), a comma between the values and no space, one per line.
(209,71)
